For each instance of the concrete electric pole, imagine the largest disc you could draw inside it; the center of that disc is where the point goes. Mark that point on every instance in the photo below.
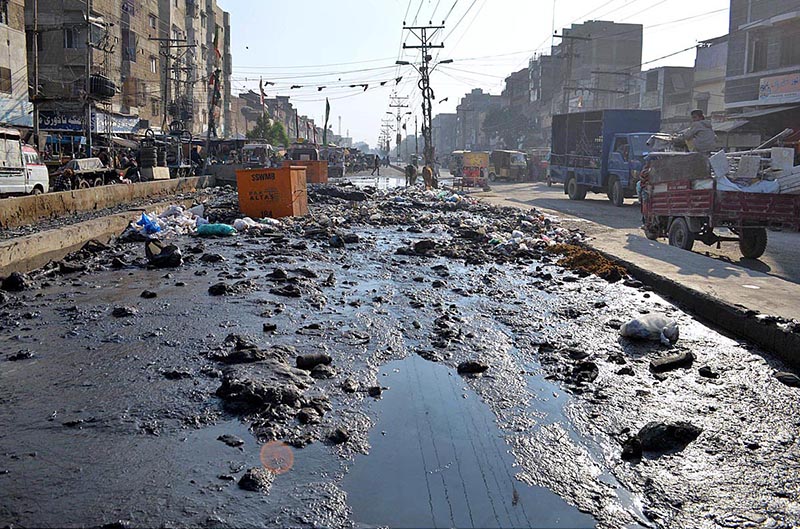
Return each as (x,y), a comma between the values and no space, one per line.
(425,34)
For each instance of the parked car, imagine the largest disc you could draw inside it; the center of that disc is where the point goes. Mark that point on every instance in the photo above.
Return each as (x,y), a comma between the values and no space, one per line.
(21,170)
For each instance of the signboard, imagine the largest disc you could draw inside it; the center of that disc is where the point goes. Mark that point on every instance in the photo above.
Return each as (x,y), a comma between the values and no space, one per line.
(57,121)
(780,89)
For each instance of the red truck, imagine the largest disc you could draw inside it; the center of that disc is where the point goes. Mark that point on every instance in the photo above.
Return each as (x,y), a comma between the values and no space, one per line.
(682,202)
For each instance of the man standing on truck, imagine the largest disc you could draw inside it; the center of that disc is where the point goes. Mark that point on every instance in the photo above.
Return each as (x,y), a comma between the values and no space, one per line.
(700,134)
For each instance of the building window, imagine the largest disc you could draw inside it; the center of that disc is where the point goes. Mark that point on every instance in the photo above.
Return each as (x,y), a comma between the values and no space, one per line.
(4,12)
(152,20)
(790,48)
(204,52)
(176,3)
(652,82)
(155,107)
(73,38)
(202,20)
(758,55)
(176,33)
(129,50)
(5,80)
(153,65)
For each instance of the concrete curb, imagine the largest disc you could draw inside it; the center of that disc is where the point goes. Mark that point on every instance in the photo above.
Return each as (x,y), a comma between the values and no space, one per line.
(20,211)
(734,320)
(23,254)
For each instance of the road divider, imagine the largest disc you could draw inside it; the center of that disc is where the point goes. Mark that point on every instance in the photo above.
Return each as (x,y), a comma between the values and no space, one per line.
(21,211)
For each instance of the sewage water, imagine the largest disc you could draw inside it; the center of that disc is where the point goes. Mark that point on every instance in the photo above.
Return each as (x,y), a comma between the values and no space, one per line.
(438,460)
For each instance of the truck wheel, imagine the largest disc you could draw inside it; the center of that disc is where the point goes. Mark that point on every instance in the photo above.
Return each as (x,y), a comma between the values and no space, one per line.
(615,193)
(98,182)
(83,184)
(753,242)
(680,235)
(575,190)
(36,191)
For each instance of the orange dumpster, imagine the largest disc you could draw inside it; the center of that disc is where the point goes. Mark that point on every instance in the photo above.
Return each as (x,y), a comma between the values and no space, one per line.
(316,170)
(272,193)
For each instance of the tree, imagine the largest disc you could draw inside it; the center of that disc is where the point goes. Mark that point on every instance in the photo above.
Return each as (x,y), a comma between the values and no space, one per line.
(272,133)
(510,127)
(278,135)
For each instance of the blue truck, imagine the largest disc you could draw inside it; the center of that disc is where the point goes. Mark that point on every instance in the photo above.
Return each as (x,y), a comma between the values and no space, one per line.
(601,151)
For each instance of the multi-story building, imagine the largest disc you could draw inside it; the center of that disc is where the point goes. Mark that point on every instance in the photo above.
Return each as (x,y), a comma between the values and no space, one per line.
(470,115)
(154,52)
(669,90)
(762,81)
(710,65)
(600,63)
(14,106)
(443,130)
(545,80)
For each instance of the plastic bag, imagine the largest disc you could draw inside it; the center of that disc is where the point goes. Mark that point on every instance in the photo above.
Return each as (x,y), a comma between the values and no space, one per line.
(246,223)
(172,211)
(215,230)
(197,210)
(148,225)
(656,327)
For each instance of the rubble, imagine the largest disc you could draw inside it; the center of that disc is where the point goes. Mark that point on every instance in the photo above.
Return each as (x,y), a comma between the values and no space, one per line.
(587,262)
(663,437)
(257,479)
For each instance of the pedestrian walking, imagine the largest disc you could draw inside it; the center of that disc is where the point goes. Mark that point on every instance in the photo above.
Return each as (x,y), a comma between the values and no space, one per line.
(377,166)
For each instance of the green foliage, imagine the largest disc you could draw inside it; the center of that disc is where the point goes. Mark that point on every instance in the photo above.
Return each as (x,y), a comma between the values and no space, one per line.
(272,133)
(510,127)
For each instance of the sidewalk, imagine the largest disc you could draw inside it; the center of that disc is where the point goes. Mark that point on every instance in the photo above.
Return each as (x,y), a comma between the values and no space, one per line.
(720,293)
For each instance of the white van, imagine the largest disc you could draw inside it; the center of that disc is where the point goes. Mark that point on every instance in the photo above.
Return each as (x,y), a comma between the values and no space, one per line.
(21,170)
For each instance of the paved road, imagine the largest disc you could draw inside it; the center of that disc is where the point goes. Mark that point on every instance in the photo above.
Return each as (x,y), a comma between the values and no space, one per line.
(782,258)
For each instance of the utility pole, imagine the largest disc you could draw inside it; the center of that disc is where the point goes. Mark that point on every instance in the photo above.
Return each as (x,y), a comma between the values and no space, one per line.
(166,45)
(398,103)
(568,77)
(88,78)
(36,73)
(627,90)
(425,34)
(212,102)
(416,141)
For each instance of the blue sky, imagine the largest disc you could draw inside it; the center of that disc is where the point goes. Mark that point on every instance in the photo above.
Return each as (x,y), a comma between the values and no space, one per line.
(335,44)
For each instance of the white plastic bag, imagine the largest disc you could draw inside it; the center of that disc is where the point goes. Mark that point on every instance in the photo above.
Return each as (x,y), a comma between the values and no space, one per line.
(656,327)
(197,210)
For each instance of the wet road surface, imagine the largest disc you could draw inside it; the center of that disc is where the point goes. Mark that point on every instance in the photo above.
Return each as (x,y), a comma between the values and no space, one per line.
(118,418)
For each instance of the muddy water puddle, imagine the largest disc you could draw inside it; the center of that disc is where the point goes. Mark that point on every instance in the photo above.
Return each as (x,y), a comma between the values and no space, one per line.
(439,460)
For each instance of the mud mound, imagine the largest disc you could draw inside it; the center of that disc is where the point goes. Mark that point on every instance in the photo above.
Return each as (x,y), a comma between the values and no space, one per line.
(587,262)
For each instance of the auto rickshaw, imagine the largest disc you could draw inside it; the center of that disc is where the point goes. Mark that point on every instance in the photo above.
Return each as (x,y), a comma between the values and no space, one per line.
(473,171)
(508,165)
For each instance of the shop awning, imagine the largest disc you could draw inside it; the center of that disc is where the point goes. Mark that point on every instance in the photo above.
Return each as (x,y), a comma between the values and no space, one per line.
(727,126)
(765,111)
(122,142)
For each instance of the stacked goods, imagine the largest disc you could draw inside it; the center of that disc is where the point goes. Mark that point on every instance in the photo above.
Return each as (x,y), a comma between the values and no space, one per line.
(672,166)
(790,183)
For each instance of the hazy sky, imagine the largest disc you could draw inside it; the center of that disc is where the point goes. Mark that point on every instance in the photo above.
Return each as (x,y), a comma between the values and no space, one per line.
(337,43)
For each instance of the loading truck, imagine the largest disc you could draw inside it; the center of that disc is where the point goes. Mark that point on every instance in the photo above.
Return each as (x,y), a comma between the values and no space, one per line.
(601,151)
